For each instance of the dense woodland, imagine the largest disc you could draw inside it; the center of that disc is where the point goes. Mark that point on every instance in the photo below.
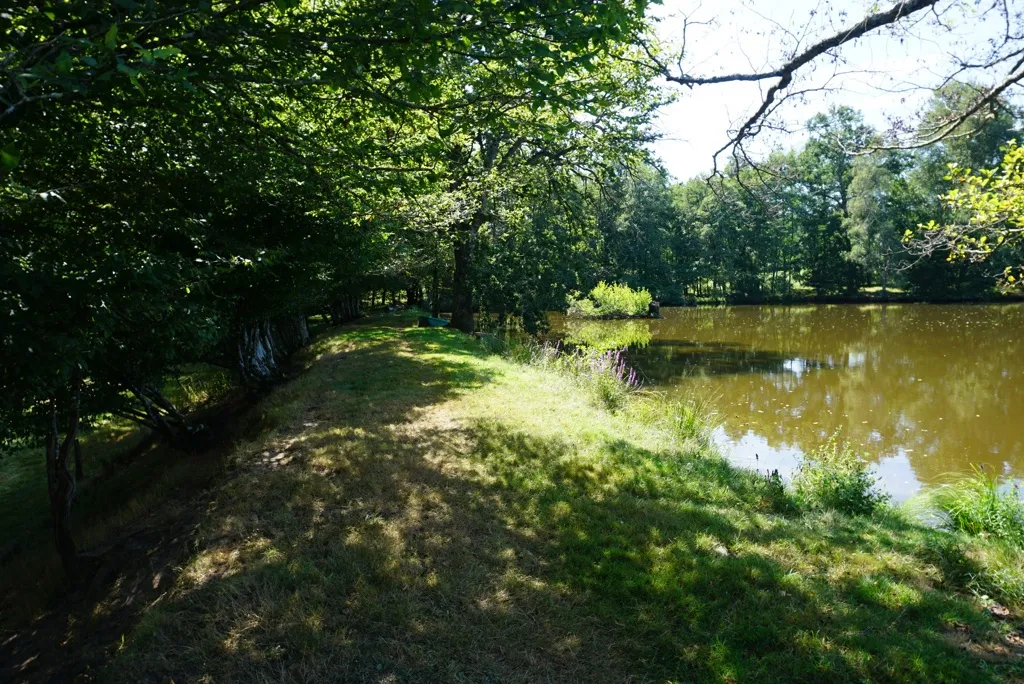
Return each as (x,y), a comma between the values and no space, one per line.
(189,184)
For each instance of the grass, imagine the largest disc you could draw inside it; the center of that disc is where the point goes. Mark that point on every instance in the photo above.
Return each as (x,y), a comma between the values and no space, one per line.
(24,507)
(419,509)
(833,477)
(976,505)
(980,508)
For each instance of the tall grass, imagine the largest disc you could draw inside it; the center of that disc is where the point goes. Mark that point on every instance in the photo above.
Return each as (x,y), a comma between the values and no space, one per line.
(604,374)
(833,477)
(976,505)
(609,301)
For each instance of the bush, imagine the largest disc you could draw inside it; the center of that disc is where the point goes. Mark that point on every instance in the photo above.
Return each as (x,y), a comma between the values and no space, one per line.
(832,477)
(975,505)
(609,301)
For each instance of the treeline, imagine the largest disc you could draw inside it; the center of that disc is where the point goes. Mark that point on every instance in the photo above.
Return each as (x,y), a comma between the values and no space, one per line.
(832,218)
(822,221)
(187,183)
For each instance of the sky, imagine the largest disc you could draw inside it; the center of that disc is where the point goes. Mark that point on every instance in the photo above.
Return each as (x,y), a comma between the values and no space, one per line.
(882,74)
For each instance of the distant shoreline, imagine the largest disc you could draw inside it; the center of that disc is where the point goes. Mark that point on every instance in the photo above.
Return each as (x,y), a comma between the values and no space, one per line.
(867,298)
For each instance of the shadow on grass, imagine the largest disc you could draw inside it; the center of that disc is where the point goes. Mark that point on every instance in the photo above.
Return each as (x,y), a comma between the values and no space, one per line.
(374,537)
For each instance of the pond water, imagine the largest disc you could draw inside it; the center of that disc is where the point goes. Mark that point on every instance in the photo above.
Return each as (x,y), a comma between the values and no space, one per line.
(923,391)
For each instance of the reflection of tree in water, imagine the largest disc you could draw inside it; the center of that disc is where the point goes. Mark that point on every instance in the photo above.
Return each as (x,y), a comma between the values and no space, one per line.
(663,361)
(606,335)
(941,383)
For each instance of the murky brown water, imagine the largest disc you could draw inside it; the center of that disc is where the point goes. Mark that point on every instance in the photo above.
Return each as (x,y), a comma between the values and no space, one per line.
(923,391)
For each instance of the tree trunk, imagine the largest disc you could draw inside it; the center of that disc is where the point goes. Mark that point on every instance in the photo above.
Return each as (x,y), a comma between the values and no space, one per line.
(346,308)
(291,333)
(79,470)
(163,417)
(62,486)
(462,281)
(435,294)
(255,357)
(414,294)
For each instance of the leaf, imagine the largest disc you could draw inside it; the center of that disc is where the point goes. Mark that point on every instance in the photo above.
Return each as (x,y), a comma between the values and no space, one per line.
(9,156)
(165,52)
(110,40)
(133,75)
(64,63)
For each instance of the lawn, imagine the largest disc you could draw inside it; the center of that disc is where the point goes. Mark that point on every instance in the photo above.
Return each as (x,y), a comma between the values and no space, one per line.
(420,510)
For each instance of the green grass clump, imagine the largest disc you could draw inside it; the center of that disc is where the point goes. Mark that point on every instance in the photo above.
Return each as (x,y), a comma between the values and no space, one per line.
(976,505)
(833,477)
(609,301)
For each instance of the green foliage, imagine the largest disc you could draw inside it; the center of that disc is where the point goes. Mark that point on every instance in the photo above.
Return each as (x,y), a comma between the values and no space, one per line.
(992,200)
(609,301)
(227,169)
(976,505)
(833,477)
(873,220)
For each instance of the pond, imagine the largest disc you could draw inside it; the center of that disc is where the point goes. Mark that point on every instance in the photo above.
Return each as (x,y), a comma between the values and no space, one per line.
(922,391)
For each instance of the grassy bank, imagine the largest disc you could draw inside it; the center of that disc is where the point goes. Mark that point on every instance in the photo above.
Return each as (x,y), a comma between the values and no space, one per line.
(419,509)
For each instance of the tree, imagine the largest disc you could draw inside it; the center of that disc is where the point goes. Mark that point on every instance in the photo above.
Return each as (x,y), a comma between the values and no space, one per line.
(875,236)
(992,200)
(225,169)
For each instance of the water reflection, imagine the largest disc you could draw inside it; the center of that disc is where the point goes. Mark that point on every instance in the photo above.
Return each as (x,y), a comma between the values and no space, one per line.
(606,335)
(922,390)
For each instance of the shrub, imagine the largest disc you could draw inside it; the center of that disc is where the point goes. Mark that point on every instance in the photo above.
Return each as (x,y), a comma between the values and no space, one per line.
(975,505)
(833,477)
(609,301)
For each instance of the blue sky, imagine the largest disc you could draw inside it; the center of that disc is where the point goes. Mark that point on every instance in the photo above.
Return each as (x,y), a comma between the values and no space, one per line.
(881,75)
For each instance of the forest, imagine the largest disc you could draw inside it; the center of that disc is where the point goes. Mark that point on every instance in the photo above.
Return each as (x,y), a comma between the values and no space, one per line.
(207,185)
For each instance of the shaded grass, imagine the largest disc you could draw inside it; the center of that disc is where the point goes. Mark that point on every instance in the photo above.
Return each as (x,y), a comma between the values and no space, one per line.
(127,475)
(24,508)
(421,511)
